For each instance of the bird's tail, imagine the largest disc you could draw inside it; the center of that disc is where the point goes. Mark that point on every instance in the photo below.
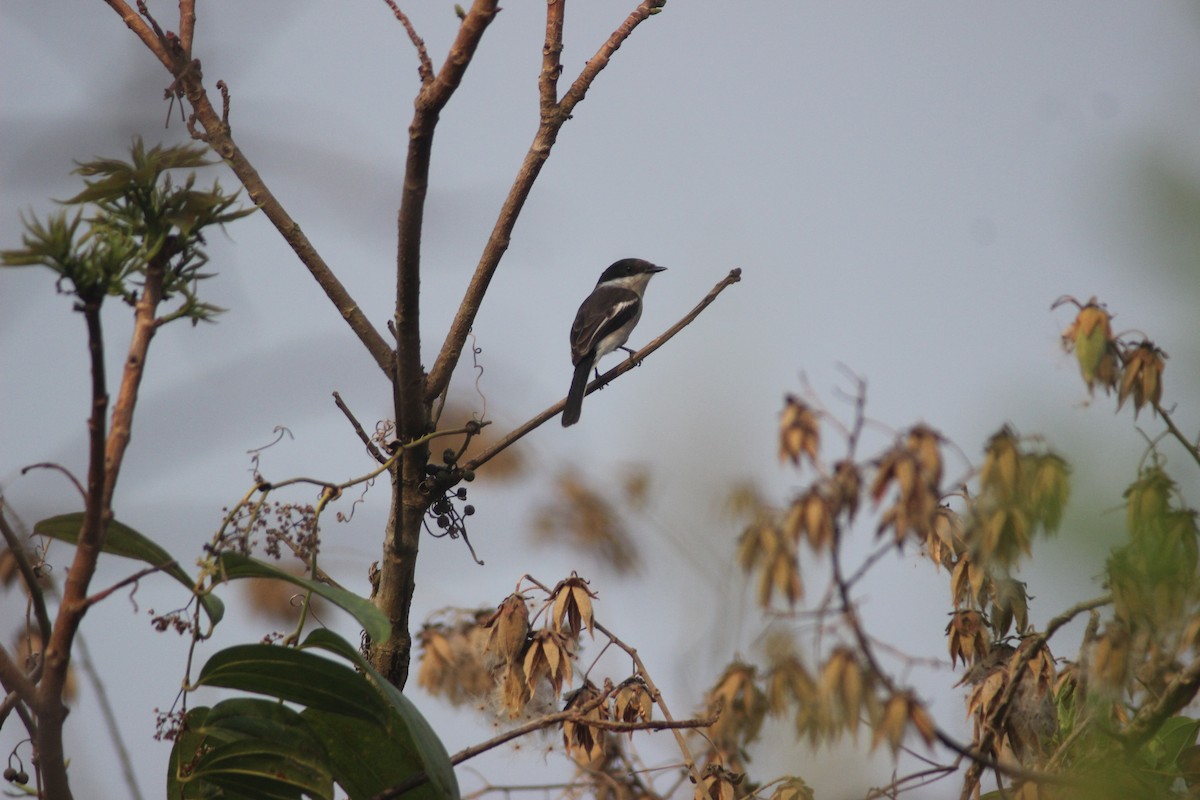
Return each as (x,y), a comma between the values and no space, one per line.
(579,382)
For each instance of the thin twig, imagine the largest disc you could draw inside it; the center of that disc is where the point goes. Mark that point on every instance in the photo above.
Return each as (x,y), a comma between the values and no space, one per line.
(60,468)
(36,595)
(1188,445)
(16,682)
(84,659)
(358,428)
(425,67)
(733,277)
(690,761)
(132,579)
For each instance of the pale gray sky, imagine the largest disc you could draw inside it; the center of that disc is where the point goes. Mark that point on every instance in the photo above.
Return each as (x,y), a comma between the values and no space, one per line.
(907,187)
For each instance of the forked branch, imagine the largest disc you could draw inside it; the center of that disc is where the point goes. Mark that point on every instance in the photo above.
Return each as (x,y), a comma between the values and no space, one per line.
(554,114)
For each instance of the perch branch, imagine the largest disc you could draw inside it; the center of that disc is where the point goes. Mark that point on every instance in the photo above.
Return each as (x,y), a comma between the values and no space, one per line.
(733,277)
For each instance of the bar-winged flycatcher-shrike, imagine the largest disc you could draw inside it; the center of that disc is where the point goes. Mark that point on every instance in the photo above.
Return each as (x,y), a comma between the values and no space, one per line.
(604,323)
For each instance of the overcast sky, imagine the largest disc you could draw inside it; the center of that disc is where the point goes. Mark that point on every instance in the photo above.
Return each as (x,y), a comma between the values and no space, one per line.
(906,187)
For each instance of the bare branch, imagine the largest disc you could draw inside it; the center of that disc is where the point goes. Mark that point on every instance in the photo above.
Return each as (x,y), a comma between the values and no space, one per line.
(143,31)
(425,68)
(187,25)
(733,277)
(551,57)
(598,62)
(408,379)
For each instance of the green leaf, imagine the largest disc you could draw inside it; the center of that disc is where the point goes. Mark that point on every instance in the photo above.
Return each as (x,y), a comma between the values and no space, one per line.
(374,622)
(260,768)
(184,755)
(122,540)
(1176,735)
(296,676)
(420,746)
(365,759)
(251,748)
(255,718)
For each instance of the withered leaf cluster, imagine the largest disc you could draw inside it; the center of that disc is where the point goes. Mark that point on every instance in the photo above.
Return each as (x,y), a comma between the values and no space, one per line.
(1021,490)
(500,662)
(799,432)
(912,470)
(740,705)
(902,711)
(1024,729)
(1134,369)
(843,696)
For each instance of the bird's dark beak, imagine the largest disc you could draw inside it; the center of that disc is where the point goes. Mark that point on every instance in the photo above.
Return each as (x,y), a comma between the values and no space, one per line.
(658,269)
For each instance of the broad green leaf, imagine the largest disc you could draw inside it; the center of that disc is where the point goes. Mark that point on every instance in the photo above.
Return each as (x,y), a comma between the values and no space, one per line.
(365,758)
(296,676)
(260,768)
(122,540)
(420,746)
(374,621)
(1176,735)
(255,718)
(184,754)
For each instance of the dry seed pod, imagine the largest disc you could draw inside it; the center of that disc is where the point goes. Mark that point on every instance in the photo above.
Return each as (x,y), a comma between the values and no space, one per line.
(572,606)
(508,630)
(633,701)
(549,656)
(585,744)
(718,783)
(1143,376)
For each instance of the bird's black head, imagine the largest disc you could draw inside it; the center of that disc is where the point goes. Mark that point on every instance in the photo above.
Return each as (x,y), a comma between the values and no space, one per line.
(628,268)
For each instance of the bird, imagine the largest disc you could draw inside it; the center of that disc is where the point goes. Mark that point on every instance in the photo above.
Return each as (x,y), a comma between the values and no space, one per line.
(604,322)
